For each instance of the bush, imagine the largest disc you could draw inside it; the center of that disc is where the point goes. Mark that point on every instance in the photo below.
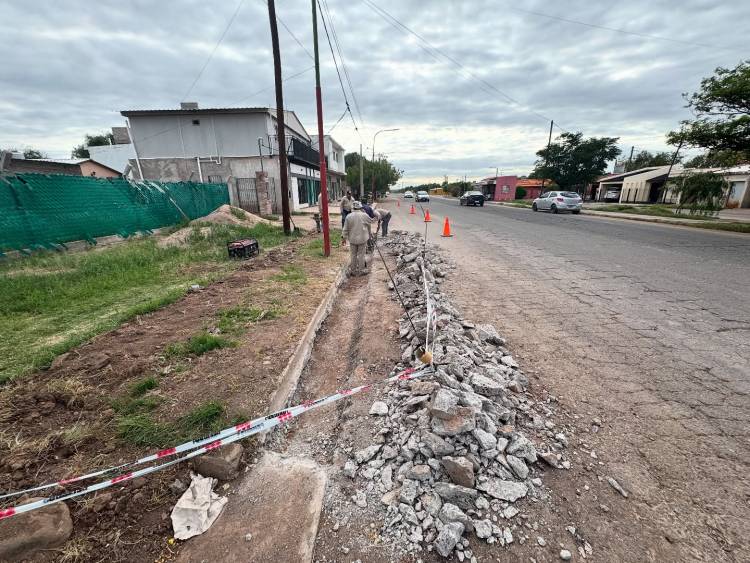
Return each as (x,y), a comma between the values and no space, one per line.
(520,193)
(700,192)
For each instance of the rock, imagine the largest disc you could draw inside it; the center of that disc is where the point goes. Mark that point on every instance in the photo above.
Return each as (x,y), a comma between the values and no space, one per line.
(486,386)
(431,503)
(408,491)
(541,541)
(248,537)
(518,466)
(486,440)
(509,361)
(222,464)
(443,404)
(483,528)
(98,360)
(360,499)
(101,502)
(448,538)
(565,555)
(435,443)
(419,473)
(451,513)
(521,446)
(462,421)
(515,386)
(366,454)
(460,470)
(408,513)
(388,453)
(503,490)
(386,477)
(488,333)
(507,536)
(617,487)
(463,497)
(24,534)
(510,512)
(550,458)
(379,408)
(350,469)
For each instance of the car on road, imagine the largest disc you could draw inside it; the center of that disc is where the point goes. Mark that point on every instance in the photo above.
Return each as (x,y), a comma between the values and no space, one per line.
(423,196)
(472,198)
(408,194)
(558,201)
(612,195)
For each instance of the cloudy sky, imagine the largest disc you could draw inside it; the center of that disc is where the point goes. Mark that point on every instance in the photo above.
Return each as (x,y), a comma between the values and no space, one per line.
(503,69)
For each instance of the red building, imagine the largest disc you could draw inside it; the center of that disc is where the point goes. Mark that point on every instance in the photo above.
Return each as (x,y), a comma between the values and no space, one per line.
(506,187)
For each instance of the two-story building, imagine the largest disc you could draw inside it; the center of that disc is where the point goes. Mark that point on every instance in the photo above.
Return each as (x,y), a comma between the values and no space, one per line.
(224,145)
(335,166)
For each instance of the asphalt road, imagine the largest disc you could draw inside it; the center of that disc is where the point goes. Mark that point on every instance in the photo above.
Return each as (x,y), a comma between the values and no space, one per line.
(645,326)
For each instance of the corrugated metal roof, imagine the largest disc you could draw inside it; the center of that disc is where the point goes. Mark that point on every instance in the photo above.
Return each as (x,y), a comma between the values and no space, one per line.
(199,111)
(72,161)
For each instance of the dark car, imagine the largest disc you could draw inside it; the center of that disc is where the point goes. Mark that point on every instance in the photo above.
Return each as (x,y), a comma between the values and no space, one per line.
(472,198)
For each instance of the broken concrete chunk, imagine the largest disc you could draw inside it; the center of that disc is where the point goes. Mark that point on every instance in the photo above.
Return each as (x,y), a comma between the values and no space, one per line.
(419,473)
(443,404)
(451,513)
(488,333)
(222,464)
(617,487)
(486,386)
(521,446)
(463,497)
(460,470)
(350,469)
(366,454)
(483,528)
(509,361)
(408,491)
(486,440)
(518,466)
(436,444)
(379,408)
(448,538)
(462,421)
(503,490)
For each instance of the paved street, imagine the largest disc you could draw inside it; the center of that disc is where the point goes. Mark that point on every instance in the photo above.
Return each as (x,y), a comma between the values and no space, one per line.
(644,326)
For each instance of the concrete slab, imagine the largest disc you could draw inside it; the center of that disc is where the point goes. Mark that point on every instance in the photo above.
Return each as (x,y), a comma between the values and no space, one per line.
(279,503)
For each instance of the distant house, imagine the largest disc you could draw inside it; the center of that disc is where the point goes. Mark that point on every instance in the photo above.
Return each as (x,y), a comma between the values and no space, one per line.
(504,188)
(16,163)
(738,179)
(224,145)
(335,166)
(533,187)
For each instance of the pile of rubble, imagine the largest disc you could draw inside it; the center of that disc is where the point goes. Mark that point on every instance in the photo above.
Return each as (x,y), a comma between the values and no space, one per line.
(448,457)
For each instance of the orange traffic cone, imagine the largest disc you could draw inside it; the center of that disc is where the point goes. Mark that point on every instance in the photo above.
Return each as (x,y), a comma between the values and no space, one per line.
(411,211)
(446,229)
(427,216)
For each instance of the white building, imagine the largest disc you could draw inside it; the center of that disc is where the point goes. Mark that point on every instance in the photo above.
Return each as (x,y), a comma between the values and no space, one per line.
(224,145)
(335,166)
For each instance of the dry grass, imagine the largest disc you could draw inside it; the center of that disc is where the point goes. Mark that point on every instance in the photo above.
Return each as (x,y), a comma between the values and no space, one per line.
(75,550)
(71,389)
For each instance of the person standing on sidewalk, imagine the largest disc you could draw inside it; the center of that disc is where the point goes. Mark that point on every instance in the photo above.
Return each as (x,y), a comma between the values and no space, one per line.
(384,217)
(346,206)
(357,232)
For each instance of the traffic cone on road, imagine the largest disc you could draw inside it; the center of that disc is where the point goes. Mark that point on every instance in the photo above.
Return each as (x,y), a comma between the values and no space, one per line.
(427,216)
(446,229)
(411,211)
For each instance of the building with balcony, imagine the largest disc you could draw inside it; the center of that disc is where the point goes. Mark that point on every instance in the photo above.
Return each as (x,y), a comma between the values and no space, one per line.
(227,145)
(335,166)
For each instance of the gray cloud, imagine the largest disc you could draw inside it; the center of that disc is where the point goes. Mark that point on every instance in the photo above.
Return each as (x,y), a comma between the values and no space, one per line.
(69,67)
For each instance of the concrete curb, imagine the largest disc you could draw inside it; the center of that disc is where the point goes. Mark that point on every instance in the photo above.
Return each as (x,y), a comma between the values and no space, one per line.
(296,364)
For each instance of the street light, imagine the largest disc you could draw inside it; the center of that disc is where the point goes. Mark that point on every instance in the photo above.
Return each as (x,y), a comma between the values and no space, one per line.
(373,158)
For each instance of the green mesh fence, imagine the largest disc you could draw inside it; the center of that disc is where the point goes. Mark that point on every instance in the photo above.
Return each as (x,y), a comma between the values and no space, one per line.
(43,211)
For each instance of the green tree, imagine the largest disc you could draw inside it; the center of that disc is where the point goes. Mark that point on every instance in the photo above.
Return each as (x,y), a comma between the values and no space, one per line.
(644,159)
(700,192)
(33,153)
(717,159)
(384,172)
(80,151)
(572,162)
(722,110)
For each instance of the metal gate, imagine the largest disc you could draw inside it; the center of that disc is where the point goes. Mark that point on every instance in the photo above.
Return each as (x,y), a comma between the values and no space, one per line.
(247,195)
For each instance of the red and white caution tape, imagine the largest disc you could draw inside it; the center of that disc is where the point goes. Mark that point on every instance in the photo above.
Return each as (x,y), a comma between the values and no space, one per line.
(199,447)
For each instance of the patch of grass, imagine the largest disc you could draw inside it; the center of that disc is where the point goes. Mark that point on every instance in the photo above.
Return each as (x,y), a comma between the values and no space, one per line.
(197,345)
(202,420)
(315,247)
(271,217)
(130,406)
(141,387)
(234,320)
(717,226)
(142,430)
(69,389)
(292,274)
(52,301)
(650,210)
(239,213)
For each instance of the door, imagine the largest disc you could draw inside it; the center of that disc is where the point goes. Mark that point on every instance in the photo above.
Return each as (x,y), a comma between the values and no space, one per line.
(544,201)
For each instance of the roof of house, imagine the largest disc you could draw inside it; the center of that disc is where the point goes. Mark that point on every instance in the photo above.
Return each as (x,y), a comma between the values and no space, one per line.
(72,161)
(621,176)
(532,182)
(198,111)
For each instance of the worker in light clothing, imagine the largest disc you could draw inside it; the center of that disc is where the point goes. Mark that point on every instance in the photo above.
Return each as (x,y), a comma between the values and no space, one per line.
(357,232)
(346,206)
(384,217)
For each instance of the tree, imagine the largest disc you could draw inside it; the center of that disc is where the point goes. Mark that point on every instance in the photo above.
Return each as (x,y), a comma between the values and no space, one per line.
(644,159)
(700,191)
(80,151)
(33,153)
(385,173)
(722,110)
(572,162)
(717,159)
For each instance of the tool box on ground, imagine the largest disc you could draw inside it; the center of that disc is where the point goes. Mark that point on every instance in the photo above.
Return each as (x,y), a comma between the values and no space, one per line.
(244,248)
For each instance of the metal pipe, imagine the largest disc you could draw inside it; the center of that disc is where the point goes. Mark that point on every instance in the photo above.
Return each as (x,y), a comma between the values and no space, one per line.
(135,148)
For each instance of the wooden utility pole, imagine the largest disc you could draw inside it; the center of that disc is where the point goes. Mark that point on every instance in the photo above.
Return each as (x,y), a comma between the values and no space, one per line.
(321,142)
(285,212)
(546,159)
(361,173)
(630,158)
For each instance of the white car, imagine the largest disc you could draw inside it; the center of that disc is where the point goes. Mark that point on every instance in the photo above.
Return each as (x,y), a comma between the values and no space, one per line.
(423,196)
(408,194)
(558,201)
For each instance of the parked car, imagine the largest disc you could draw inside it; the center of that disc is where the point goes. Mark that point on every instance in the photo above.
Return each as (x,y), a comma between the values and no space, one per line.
(472,198)
(558,201)
(423,196)
(408,194)
(612,195)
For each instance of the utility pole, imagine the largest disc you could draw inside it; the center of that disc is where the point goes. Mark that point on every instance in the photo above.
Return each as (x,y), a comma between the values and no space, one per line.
(321,142)
(671,164)
(630,158)
(373,158)
(361,174)
(546,158)
(287,217)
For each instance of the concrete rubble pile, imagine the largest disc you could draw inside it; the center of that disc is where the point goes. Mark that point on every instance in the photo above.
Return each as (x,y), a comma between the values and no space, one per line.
(449,459)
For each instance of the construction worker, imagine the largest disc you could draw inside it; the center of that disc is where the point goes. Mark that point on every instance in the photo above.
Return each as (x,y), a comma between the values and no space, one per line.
(346,206)
(357,232)
(384,217)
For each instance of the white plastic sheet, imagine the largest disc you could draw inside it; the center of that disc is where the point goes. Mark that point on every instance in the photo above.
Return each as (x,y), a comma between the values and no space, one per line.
(198,508)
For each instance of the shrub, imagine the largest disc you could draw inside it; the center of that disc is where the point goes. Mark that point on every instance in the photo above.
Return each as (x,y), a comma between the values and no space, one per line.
(520,193)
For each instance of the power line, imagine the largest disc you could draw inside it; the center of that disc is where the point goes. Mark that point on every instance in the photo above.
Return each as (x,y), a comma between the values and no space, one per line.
(343,115)
(343,62)
(213,51)
(294,37)
(387,16)
(625,31)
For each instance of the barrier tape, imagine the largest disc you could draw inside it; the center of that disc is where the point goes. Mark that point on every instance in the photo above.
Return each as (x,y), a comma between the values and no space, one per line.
(201,446)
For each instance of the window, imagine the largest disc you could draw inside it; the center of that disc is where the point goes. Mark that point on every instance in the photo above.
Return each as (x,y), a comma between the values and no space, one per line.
(545,195)
(196,121)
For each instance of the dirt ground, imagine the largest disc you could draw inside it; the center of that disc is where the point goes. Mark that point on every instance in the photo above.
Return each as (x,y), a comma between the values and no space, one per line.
(60,422)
